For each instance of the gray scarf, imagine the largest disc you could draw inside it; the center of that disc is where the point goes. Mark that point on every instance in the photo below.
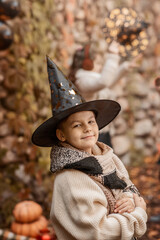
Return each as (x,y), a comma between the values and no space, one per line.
(101,165)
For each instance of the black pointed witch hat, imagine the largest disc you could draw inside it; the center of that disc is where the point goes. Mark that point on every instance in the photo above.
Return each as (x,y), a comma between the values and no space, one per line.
(66,100)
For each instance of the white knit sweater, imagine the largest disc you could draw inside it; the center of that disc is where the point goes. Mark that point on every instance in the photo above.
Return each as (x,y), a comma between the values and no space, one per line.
(91,84)
(79,211)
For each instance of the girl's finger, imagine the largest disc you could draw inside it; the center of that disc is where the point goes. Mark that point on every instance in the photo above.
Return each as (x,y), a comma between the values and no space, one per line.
(130,210)
(124,205)
(121,201)
(125,209)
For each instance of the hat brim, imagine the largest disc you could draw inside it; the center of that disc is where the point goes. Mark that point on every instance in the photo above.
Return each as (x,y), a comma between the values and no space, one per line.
(106,111)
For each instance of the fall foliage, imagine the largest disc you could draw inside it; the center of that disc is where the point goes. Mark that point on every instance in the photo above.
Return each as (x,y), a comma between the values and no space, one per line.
(56,28)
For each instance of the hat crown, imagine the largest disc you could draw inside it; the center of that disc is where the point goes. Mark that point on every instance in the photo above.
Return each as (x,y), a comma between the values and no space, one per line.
(64,94)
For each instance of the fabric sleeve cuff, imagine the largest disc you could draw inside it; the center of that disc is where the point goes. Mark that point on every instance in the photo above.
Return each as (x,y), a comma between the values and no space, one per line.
(142,212)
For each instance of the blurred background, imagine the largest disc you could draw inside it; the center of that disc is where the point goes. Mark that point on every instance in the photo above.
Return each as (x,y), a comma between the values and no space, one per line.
(36,28)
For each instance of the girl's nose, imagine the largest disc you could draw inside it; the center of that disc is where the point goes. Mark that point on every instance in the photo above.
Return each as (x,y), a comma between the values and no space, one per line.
(87,127)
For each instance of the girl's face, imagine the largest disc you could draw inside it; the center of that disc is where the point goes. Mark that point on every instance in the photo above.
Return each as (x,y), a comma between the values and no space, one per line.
(79,130)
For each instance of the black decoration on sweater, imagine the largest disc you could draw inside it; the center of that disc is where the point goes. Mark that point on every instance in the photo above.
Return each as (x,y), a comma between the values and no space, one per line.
(113,181)
(88,165)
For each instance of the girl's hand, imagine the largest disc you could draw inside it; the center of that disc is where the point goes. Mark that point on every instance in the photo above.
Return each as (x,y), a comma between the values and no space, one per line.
(114,47)
(139,201)
(135,62)
(124,205)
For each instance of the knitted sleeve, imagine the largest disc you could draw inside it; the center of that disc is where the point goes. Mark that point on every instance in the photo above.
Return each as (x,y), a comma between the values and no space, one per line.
(109,70)
(79,211)
(92,81)
(121,71)
(123,174)
(88,81)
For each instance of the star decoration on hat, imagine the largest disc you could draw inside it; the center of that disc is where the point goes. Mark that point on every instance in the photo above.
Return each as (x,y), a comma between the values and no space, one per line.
(63,93)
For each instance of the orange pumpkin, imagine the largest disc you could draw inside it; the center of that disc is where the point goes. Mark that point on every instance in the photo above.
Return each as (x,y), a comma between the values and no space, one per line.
(29,229)
(27,211)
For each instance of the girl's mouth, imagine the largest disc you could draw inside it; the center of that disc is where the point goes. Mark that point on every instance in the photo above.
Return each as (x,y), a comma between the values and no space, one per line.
(88,137)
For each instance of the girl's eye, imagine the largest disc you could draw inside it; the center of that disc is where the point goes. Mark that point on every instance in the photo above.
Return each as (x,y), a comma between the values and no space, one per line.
(77,125)
(91,121)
